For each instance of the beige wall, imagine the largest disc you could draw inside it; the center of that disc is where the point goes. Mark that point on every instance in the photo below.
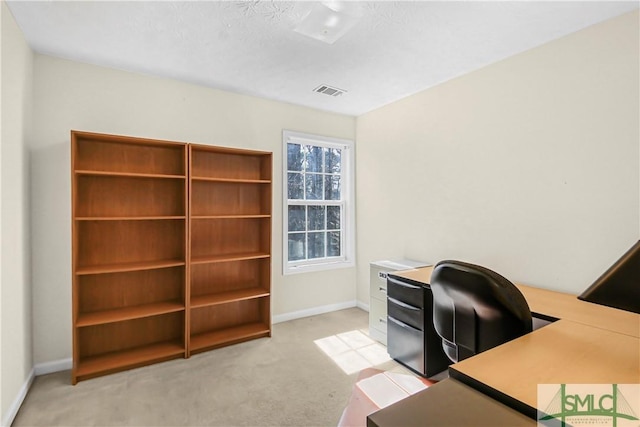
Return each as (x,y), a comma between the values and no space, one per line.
(528,166)
(71,95)
(16,359)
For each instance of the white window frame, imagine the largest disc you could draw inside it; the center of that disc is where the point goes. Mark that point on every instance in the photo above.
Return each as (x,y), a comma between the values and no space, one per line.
(347,219)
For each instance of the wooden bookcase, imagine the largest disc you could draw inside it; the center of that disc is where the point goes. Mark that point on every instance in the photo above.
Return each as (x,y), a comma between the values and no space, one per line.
(171,250)
(129,210)
(230,246)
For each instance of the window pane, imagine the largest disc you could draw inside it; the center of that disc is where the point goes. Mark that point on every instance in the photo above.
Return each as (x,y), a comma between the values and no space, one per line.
(315,243)
(314,186)
(315,218)
(333,160)
(314,159)
(332,187)
(333,246)
(295,157)
(316,206)
(295,189)
(296,246)
(333,217)
(296,218)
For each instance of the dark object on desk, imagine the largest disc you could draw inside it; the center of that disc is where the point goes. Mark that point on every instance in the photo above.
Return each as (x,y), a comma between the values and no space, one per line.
(448,403)
(619,286)
(475,309)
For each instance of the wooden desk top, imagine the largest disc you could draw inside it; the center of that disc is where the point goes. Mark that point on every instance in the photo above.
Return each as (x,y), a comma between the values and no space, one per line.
(421,275)
(568,307)
(562,352)
(558,305)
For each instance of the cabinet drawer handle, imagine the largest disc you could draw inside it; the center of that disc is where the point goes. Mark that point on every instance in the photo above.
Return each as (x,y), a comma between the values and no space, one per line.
(404,305)
(403,284)
(404,325)
(383,290)
(381,320)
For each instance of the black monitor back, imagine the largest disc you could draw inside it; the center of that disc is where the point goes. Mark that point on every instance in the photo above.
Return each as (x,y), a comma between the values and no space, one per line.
(619,286)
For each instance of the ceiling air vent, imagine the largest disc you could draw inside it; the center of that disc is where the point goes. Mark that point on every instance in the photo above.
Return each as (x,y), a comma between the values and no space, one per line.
(328,90)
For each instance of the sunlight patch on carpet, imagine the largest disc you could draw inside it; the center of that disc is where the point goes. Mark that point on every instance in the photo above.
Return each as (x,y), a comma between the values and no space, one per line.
(353,351)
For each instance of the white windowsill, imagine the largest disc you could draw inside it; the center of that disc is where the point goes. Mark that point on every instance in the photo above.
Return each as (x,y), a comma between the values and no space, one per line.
(308,268)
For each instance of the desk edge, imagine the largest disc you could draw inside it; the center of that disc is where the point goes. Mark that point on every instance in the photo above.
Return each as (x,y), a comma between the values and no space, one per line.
(493,393)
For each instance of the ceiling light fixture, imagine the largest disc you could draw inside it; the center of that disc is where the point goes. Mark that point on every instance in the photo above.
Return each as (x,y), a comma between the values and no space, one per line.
(328,21)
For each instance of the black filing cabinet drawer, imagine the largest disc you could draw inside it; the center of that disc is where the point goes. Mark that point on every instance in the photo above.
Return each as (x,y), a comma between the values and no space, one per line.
(406,344)
(405,292)
(405,313)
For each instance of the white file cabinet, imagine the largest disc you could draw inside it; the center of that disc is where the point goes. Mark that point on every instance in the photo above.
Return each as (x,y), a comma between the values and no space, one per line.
(378,293)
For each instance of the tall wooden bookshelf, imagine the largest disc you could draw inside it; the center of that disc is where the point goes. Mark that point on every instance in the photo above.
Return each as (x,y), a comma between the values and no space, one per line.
(171,250)
(230,245)
(129,252)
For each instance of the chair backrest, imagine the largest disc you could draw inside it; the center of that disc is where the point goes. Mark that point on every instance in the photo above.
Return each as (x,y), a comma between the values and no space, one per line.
(475,309)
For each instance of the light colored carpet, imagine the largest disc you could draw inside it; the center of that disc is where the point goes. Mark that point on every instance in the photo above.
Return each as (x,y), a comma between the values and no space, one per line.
(285,380)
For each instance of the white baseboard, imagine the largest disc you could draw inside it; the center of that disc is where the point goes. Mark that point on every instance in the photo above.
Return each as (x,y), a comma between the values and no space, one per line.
(362,306)
(8,418)
(39,369)
(312,311)
(53,366)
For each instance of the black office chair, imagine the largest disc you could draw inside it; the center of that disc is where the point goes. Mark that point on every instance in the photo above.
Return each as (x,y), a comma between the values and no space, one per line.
(475,309)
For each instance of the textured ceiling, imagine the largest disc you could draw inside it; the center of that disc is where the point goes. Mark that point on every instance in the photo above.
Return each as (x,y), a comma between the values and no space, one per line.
(395,49)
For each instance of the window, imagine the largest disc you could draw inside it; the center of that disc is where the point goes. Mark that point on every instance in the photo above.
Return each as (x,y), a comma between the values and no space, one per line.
(318,220)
